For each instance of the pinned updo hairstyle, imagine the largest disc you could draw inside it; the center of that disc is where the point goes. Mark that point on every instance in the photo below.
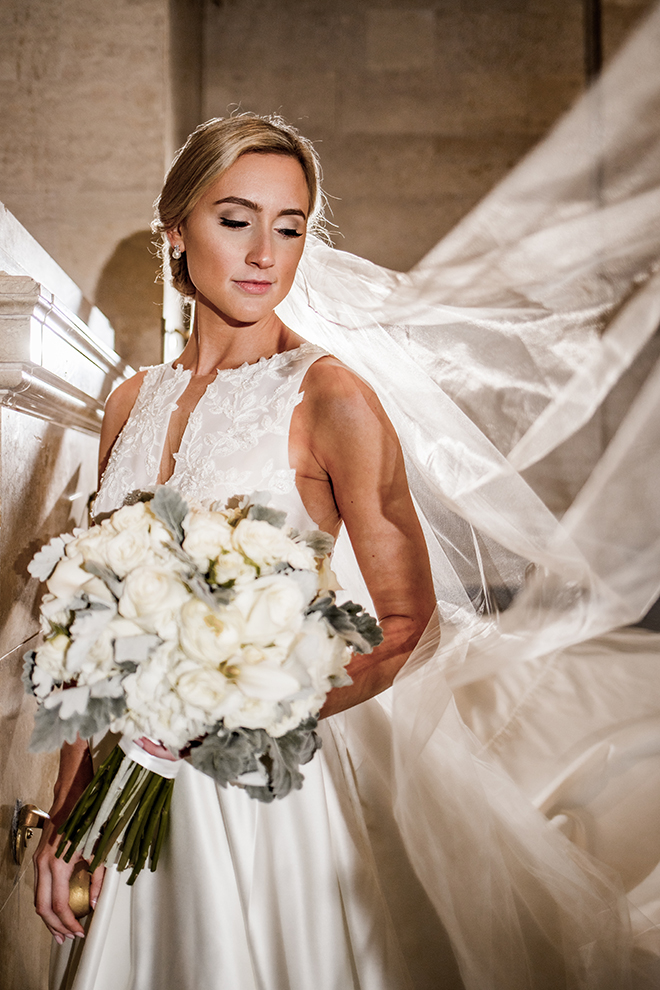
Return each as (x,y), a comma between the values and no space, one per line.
(211,149)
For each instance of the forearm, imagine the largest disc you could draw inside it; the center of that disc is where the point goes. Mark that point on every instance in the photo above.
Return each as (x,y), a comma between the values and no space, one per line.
(374,672)
(75,773)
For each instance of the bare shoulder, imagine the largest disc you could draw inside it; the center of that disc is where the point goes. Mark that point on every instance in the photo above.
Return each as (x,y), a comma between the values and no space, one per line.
(333,390)
(117,410)
(122,399)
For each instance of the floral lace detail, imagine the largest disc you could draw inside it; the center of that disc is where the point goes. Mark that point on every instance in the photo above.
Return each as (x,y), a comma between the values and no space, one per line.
(235,442)
(135,457)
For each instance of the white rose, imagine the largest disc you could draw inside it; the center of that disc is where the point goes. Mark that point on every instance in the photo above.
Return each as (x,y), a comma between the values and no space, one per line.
(152,597)
(260,542)
(207,535)
(207,635)
(130,517)
(51,656)
(317,658)
(230,565)
(207,690)
(129,549)
(273,610)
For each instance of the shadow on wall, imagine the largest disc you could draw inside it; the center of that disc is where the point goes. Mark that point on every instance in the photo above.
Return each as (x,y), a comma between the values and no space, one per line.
(128,294)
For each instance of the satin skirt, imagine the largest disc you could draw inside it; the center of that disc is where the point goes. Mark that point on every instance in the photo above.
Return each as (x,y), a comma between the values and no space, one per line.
(312,891)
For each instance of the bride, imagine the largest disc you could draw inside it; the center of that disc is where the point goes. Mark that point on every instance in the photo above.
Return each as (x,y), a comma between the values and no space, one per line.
(410,858)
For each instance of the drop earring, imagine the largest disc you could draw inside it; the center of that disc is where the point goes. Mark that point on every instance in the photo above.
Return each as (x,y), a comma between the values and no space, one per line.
(176,252)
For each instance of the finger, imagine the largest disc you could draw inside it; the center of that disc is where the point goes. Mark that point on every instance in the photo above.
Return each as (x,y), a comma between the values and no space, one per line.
(60,902)
(43,903)
(95,885)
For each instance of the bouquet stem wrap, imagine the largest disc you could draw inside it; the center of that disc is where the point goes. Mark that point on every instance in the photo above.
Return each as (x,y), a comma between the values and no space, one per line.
(122,816)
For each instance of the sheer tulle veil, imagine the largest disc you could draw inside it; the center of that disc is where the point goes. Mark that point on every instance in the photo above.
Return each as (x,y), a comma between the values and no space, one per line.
(533,320)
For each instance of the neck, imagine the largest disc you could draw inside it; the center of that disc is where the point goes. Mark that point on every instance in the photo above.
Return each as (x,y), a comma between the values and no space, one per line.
(216,344)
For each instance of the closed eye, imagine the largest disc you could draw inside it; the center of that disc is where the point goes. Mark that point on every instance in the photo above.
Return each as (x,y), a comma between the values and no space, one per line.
(233,224)
(289,232)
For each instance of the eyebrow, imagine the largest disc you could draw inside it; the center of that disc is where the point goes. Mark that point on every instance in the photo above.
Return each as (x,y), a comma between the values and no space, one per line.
(239,201)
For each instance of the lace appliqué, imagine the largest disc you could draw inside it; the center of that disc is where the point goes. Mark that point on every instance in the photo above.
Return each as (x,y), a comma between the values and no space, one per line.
(236,439)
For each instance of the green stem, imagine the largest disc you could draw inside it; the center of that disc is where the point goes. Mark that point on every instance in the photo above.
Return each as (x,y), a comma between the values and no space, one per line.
(121,814)
(163,827)
(134,833)
(92,796)
(150,831)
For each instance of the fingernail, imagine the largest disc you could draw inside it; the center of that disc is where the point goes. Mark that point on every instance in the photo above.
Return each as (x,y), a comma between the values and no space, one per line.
(69,936)
(59,939)
(80,934)
(92,903)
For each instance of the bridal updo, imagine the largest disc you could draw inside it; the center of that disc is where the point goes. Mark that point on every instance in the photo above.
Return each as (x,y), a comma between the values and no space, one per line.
(211,149)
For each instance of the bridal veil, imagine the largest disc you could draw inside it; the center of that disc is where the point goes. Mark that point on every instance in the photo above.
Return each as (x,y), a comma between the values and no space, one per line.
(525,770)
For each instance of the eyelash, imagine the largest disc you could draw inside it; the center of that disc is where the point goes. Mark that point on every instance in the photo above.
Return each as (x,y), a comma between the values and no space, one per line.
(240,224)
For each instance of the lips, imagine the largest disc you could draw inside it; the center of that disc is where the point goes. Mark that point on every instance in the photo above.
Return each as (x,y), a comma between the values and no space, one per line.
(253,287)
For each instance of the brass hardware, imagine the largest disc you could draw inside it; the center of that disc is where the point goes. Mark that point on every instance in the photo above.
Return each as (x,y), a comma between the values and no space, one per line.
(79,890)
(26,818)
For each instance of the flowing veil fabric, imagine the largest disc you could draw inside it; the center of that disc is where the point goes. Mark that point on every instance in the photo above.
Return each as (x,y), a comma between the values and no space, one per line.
(534,319)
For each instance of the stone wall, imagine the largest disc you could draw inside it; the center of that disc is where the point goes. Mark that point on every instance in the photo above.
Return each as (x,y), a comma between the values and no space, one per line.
(417,108)
(83,123)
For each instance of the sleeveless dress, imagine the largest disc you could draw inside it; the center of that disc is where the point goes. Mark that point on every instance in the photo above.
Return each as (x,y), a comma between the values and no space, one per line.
(314,890)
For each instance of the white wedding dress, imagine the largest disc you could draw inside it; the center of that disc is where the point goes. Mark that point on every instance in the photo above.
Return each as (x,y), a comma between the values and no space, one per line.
(287,896)
(495,813)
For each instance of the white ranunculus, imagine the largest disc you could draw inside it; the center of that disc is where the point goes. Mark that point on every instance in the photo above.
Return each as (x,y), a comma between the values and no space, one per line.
(152,597)
(261,542)
(129,549)
(207,635)
(51,656)
(273,610)
(207,535)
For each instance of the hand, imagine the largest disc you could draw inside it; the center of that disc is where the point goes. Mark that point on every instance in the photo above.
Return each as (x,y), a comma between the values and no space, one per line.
(156,749)
(51,886)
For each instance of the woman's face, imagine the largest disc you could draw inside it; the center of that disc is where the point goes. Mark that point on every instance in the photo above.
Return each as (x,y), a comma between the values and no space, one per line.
(244,238)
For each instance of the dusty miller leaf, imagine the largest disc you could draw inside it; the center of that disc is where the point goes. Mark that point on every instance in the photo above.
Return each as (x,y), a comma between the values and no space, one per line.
(168,506)
(28,667)
(263,513)
(227,754)
(109,578)
(51,731)
(319,542)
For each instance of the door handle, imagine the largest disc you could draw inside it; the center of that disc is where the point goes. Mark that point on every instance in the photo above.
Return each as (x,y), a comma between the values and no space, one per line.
(26,818)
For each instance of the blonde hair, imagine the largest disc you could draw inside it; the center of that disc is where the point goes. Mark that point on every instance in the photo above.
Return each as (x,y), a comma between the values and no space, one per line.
(211,149)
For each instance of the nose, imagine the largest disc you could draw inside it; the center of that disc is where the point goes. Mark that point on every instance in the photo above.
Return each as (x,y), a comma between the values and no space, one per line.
(261,253)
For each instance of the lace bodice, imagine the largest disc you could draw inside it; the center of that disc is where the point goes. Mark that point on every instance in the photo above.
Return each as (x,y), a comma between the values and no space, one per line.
(235,442)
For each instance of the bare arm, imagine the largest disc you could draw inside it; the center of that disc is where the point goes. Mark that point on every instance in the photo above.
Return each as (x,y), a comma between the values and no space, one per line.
(350,465)
(52,875)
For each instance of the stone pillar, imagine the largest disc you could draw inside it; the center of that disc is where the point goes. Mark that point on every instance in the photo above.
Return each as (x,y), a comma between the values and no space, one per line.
(54,377)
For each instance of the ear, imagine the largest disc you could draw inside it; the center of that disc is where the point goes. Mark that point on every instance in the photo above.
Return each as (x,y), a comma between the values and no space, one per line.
(175,237)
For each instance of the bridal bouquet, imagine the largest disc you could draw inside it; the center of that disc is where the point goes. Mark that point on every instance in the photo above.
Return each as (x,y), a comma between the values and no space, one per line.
(215,632)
